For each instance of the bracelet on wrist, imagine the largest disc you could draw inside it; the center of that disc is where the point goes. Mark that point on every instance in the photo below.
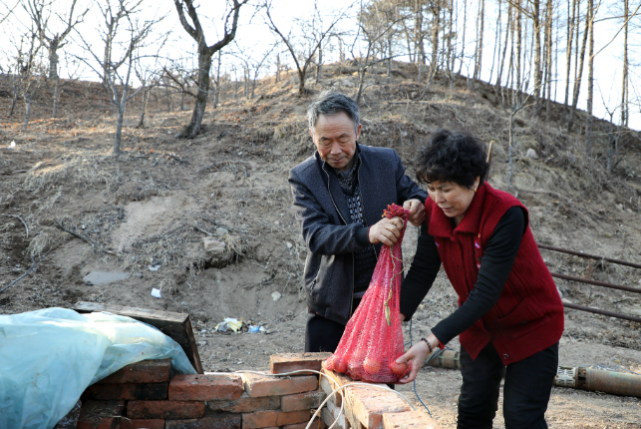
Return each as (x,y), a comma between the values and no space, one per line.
(429,346)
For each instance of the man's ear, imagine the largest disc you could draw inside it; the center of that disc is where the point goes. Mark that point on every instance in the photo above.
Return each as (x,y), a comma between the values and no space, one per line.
(311,134)
(358,132)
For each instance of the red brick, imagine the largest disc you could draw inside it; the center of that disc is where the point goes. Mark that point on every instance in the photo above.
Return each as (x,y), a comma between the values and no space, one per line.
(165,410)
(213,421)
(287,362)
(265,385)
(100,414)
(368,405)
(301,401)
(246,404)
(104,392)
(409,420)
(264,419)
(317,424)
(146,371)
(142,424)
(205,387)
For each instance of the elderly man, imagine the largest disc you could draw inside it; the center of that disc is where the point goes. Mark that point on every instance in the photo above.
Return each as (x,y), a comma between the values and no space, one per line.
(340,193)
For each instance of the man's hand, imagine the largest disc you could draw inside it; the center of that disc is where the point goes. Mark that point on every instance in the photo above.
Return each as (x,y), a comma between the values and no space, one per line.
(417,211)
(386,231)
(417,355)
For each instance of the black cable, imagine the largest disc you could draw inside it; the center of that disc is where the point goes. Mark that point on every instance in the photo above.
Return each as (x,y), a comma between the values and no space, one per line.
(414,382)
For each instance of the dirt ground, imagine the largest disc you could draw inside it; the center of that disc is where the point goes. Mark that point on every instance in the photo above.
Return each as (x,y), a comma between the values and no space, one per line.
(145,213)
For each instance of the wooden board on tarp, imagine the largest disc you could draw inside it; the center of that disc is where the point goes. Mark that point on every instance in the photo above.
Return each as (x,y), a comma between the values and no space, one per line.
(175,325)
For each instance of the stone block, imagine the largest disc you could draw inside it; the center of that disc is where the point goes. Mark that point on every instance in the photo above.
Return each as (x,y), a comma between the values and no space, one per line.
(213,245)
(205,387)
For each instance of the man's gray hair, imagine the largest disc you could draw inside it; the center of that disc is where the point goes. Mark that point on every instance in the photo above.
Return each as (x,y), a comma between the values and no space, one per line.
(331,103)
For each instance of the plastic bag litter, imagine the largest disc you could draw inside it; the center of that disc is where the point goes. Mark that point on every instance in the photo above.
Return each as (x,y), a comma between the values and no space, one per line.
(229,324)
(49,357)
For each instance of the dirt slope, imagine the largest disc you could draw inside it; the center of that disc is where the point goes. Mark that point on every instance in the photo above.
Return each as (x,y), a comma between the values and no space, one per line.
(147,212)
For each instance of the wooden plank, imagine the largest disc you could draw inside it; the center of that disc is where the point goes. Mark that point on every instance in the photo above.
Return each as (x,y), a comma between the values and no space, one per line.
(177,326)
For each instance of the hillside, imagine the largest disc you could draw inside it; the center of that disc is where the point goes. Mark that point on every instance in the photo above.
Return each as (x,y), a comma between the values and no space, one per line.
(147,211)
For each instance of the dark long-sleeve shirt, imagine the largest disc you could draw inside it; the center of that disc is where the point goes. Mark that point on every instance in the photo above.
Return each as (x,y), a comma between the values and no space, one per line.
(496,264)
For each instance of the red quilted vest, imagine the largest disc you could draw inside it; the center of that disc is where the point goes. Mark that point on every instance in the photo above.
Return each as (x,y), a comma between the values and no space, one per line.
(528,317)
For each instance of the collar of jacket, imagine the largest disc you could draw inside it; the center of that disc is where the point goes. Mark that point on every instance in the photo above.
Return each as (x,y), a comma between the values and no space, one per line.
(442,226)
(334,188)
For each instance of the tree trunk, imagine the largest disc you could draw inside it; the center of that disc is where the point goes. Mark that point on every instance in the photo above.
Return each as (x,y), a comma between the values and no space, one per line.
(143,112)
(518,47)
(589,120)
(436,24)
(13,104)
(53,58)
(460,67)
(547,77)
(204,66)
(319,69)
(624,82)
(478,55)
(301,83)
(508,27)
(217,92)
(579,74)
(389,58)
(536,30)
(27,114)
(510,165)
(568,56)
(497,42)
(418,32)
(56,88)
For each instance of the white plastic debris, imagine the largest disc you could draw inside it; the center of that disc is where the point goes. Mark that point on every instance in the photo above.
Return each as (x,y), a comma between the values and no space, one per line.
(229,324)
(289,245)
(276,296)
(155,293)
(254,329)
(154,267)
(12,145)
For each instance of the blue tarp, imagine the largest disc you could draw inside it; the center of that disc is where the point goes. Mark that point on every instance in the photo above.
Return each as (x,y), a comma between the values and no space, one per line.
(49,357)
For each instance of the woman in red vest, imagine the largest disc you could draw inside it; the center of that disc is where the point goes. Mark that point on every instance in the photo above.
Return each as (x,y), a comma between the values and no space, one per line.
(510,315)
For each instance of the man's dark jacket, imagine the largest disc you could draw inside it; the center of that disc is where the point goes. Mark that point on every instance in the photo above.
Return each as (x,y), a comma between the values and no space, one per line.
(330,236)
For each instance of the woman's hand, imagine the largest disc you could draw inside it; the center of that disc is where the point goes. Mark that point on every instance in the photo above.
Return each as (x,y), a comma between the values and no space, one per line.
(417,211)
(417,355)
(386,231)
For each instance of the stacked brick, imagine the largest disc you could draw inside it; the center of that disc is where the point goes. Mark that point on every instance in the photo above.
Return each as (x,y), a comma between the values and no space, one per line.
(145,395)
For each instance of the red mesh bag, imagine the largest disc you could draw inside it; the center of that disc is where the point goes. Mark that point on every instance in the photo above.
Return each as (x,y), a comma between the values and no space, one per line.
(373,337)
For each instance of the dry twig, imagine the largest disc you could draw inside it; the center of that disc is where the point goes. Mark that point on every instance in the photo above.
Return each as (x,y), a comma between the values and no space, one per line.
(34,265)
(84,238)
(21,220)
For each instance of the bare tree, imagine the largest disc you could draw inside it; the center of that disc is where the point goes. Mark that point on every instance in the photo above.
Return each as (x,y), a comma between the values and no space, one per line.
(191,23)
(26,72)
(374,23)
(119,52)
(316,32)
(252,66)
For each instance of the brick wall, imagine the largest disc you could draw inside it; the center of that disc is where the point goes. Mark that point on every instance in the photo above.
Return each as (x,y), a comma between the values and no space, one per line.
(146,395)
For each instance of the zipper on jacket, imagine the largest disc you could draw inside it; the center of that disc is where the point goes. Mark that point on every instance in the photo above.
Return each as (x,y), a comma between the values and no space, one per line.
(351,305)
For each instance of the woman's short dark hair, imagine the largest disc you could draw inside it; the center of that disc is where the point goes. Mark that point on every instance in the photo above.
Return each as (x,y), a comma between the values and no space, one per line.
(452,157)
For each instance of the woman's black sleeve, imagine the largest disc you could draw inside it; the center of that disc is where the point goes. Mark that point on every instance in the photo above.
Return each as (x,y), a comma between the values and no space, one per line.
(496,265)
(421,275)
